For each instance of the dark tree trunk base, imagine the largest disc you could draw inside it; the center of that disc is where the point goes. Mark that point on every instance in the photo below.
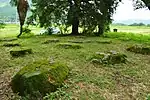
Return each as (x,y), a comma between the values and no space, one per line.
(20,31)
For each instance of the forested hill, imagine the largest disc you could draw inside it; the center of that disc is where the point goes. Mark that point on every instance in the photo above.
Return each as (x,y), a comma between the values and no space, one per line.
(7,13)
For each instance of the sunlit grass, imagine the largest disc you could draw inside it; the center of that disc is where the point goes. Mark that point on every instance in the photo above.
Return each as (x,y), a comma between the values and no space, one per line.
(86,81)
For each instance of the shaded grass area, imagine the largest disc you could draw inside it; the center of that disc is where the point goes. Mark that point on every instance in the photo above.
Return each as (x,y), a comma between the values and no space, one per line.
(86,81)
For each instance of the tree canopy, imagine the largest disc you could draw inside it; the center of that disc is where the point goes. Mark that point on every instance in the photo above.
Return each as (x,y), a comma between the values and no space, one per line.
(93,16)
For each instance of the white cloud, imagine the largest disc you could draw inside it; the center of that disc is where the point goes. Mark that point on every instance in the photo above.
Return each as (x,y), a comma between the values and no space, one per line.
(125,11)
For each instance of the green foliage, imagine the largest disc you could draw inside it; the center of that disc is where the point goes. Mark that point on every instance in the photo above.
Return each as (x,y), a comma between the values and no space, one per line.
(2,25)
(137,24)
(60,93)
(26,30)
(41,76)
(148,97)
(75,13)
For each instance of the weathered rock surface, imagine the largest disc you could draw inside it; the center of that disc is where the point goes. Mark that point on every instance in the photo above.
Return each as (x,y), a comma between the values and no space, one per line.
(20,52)
(7,40)
(145,50)
(41,76)
(11,44)
(111,57)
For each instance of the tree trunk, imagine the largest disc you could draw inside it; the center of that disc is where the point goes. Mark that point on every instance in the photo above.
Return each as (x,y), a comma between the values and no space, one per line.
(22,9)
(100,30)
(75,26)
(20,31)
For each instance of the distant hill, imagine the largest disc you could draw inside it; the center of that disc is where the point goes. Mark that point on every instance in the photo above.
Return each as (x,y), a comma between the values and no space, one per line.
(7,13)
(131,21)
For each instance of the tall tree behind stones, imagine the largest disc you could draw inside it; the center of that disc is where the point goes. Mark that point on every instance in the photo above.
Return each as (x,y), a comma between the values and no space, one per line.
(75,13)
(22,8)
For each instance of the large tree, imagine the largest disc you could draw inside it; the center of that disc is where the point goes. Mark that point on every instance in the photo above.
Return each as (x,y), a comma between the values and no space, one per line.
(22,8)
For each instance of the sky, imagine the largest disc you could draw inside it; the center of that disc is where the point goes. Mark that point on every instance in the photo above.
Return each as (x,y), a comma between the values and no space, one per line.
(125,12)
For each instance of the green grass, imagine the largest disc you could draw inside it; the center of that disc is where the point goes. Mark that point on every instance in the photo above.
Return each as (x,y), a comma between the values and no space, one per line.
(132,29)
(12,30)
(86,81)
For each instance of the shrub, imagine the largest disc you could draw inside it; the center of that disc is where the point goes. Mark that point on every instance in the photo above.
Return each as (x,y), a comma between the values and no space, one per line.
(2,25)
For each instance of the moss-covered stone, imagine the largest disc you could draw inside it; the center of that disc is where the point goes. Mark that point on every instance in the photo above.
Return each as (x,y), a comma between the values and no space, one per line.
(145,50)
(8,40)
(73,41)
(40,76)
(111,57)
(11,44)
(20,52)
(69,46)
(51,41)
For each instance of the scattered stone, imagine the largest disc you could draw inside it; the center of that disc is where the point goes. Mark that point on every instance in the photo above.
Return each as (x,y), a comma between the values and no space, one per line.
(51,41)
(112,57)
(76,41)
(69,46)
(145,50)
(11,44)
(8,40)
(39,76)
(20,52)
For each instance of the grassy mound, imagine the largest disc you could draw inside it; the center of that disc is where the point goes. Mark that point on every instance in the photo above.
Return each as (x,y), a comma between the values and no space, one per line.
(109,58)
(51,41)
(145,50)
(20,52)
(40,76)
(69,46)
(11,44)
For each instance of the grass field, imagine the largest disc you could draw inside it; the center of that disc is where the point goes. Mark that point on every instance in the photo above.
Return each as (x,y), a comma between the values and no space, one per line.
(130,81)
(132,29)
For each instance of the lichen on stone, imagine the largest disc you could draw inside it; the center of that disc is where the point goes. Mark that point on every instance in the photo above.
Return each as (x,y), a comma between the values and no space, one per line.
(39,76)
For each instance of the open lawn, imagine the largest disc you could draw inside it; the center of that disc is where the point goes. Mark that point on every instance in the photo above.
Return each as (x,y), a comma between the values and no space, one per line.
(86,81)
(132,29)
